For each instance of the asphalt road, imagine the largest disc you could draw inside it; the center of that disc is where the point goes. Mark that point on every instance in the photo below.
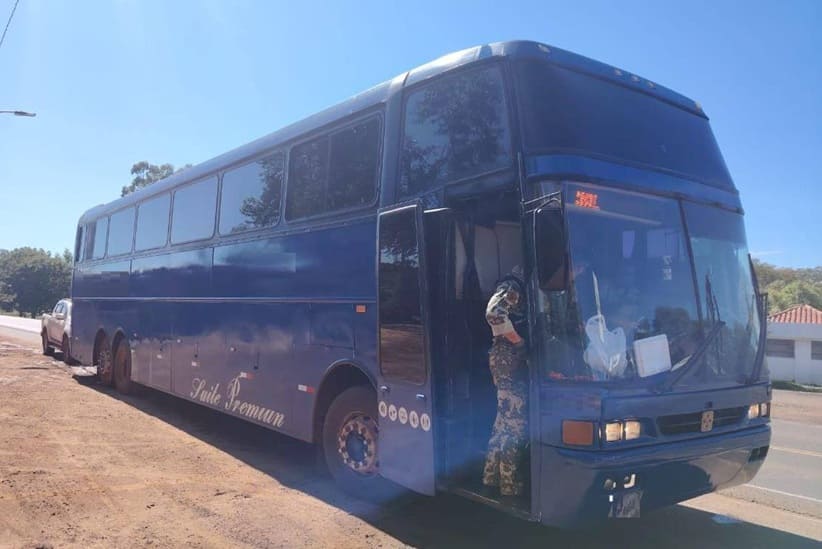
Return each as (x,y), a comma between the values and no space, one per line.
(781,507)
(791,478)
(28,325)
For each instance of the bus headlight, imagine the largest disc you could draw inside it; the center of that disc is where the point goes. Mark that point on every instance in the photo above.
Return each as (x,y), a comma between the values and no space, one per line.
(762,409)
(753,411)
(622,430)
(632,430)
(613,431)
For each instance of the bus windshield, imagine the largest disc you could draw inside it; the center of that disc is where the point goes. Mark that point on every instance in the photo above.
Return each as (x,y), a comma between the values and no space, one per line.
(726,290)
(634,311)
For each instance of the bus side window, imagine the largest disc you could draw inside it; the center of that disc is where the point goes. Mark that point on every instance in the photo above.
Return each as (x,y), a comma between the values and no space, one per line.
(98,247)
(251,194)
(88,245)
(193,212)
(402,339)
(336,172)
(80,244)
(152,223)
(437,147)
(355,154)
(121,232)
(307,179)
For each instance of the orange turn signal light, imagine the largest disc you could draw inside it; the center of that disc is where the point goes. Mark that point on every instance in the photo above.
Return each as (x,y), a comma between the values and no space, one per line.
(577,433)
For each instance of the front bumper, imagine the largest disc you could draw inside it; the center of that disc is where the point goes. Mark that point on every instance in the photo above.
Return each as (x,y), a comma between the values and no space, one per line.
(573,492)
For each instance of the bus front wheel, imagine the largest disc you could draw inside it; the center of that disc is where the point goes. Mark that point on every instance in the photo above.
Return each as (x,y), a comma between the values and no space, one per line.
(350,445)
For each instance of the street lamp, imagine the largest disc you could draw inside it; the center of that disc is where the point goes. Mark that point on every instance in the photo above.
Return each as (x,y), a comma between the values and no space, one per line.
(19,113)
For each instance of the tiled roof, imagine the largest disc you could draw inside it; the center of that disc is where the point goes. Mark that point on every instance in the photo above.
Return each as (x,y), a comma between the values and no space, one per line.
(798,314)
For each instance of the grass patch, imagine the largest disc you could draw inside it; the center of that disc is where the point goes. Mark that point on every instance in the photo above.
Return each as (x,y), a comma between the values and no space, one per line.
(793,386)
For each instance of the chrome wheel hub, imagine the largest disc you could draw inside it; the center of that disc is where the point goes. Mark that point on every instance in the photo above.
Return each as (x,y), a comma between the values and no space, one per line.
(357,444)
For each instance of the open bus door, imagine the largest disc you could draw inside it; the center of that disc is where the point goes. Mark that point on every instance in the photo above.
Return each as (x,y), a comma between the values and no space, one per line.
(405,406)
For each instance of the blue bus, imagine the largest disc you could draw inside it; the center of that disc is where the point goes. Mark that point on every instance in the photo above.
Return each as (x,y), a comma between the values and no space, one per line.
(328,281)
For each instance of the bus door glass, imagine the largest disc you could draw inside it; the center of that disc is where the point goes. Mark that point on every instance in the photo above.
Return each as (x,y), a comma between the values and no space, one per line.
(405,397)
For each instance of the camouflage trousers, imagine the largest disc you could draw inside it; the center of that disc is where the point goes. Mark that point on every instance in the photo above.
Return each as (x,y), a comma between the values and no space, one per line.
(509,434)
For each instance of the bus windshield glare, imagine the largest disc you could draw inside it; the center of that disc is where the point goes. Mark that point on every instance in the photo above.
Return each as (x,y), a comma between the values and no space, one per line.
(634,310)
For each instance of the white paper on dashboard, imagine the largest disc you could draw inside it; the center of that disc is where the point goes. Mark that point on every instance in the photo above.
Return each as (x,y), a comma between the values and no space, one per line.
(653,355)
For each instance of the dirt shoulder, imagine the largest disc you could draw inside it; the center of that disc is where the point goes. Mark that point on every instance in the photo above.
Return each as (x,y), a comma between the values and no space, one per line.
(81,467)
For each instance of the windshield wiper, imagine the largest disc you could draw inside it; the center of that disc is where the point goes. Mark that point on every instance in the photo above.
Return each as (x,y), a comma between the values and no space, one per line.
(694,359)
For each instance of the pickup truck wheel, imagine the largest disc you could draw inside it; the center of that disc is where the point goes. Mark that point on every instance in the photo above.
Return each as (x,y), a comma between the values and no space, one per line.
(65,347)
(105,371)
(122,368)
(350,446)
(47,349)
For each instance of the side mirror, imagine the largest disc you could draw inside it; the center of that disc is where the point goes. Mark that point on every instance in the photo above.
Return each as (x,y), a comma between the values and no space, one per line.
(549,241)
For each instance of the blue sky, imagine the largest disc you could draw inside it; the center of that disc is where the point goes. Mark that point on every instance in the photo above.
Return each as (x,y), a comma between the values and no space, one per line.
(118,81)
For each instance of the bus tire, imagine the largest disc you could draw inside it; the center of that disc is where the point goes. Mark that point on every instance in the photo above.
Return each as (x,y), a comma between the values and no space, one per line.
(47,349)
(105,371)
(121,367)
(349,445)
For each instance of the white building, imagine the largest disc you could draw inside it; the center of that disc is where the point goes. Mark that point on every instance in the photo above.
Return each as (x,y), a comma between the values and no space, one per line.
(794,349)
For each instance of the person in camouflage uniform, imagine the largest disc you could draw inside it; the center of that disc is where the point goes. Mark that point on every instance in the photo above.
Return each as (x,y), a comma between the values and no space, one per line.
(505,310)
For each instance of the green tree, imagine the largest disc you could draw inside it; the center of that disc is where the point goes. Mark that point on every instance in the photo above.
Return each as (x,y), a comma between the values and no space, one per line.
(264,210)
(32,280)
(782,295)
(788,287)
(146,173)
(461,141)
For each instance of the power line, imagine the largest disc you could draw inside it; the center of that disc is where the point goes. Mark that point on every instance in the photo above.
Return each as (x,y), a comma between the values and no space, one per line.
(11,16)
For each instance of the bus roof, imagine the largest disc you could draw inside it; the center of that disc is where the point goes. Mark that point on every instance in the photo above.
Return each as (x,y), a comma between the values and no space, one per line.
(381,93)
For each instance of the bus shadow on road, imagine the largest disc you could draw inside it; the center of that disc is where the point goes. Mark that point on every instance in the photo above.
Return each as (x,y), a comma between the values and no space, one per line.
(445,520)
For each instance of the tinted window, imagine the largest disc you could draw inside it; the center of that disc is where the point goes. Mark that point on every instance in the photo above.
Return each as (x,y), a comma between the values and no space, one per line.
(355,155)
(99,245)
(80,243)
(194,210)
(250,197)
(402,341)
(88,240)
(455,127)
(307,179)
(568,112)
(782,348)
(350,181)
(121,232)
(152,223)
(816,350)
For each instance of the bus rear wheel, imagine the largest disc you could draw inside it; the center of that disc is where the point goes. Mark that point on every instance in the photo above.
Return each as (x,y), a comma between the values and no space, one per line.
(350,445)
(122,368)
(104,367)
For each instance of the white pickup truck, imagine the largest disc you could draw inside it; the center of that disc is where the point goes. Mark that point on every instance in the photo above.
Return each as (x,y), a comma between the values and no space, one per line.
(56,330)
